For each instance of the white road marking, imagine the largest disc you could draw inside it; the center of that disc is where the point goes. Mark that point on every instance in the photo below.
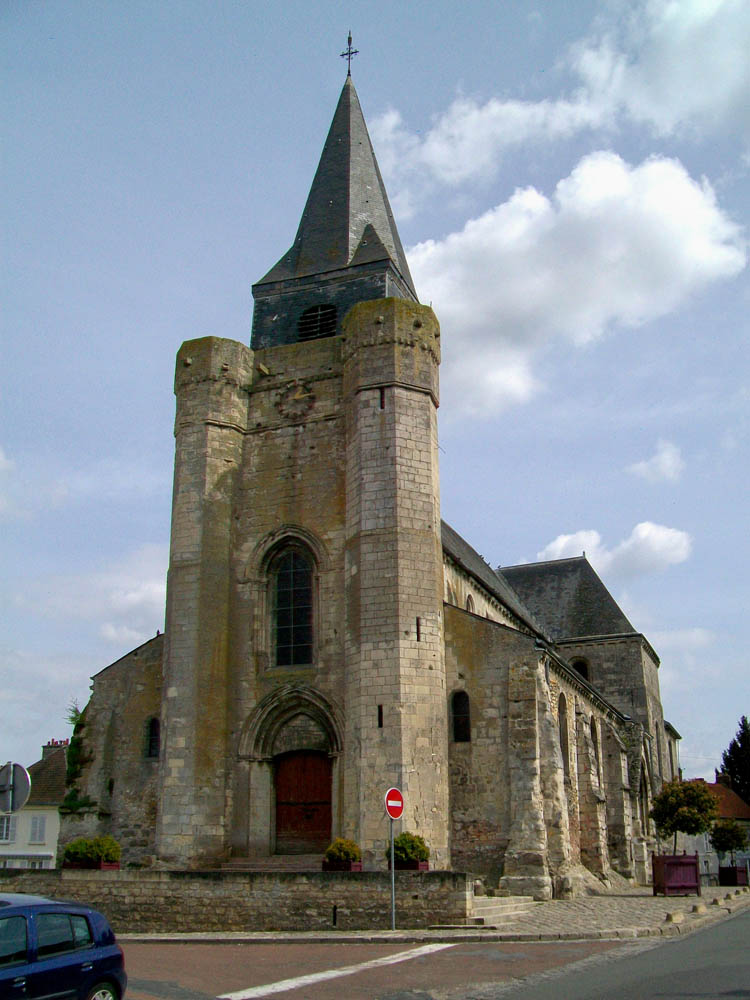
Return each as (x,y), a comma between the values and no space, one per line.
(319,977)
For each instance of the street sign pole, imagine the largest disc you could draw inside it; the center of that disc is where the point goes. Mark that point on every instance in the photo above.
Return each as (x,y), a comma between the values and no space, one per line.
(393,884)
(15,786)
(394,807)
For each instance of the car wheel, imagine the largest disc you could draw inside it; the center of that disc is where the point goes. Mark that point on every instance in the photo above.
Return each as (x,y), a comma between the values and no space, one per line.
(103,991)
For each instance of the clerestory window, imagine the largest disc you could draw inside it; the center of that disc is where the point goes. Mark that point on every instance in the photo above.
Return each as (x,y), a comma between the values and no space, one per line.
(292,608)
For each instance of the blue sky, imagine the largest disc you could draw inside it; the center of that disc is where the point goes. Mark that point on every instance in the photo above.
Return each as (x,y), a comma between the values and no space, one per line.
(570,180)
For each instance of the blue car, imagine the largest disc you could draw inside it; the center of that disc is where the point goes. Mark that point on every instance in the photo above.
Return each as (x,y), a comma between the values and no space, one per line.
(54,949)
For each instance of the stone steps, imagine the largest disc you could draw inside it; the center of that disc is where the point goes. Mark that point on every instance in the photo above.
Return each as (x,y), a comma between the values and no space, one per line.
(494,912)
(276,863)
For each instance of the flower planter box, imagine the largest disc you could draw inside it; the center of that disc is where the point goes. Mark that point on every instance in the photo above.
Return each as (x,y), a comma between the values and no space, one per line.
(342,866)
(732,875)
(676,874)
(411,866)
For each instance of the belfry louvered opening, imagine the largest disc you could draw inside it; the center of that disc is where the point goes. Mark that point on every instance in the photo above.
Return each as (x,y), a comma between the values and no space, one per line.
(317,321)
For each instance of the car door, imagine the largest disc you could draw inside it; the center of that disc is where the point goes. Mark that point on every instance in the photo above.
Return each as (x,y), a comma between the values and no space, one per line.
(61,963)
(14,957)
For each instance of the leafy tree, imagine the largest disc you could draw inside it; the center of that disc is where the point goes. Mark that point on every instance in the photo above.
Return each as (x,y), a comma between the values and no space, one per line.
(727,837)
(735,762)
(683,807)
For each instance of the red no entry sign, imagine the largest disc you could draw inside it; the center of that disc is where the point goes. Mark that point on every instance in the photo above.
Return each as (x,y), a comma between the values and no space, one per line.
(394,803)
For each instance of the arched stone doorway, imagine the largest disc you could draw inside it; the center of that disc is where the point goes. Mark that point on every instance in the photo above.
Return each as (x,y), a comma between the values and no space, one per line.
(286,792)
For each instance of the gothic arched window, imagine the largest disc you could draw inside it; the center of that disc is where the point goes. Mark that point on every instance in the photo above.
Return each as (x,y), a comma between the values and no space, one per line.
(595,747)
(562,719)
(292,608)
(470,604)
(461,717)
(581,667)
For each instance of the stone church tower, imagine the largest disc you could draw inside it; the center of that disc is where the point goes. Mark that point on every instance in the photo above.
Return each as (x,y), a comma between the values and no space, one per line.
(303,667)
(327,636)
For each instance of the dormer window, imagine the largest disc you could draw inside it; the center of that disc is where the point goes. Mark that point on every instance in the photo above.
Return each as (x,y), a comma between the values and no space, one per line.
(317,321)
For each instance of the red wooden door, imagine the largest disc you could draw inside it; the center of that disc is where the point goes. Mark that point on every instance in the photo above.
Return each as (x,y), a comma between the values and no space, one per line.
(303,802)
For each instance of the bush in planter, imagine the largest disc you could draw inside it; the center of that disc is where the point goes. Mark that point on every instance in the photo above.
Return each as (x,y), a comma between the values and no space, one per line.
(408,848)
(90,852)
(342,856)
(727,837)
(683,807)
(343,850)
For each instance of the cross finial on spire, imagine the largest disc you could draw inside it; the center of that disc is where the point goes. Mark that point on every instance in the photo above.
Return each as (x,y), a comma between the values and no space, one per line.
(349,54)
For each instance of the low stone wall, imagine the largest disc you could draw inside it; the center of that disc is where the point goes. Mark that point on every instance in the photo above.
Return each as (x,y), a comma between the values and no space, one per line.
(182,901)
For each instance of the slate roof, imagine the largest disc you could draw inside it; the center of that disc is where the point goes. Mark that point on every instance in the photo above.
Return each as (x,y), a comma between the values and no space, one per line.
(568,598)
(462,553)
(48,779)
(347,219)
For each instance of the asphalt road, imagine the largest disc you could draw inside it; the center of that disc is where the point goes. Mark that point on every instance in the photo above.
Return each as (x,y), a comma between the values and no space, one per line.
(713,964)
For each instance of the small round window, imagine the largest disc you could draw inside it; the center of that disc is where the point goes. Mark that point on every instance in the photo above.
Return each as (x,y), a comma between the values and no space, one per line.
(317,321)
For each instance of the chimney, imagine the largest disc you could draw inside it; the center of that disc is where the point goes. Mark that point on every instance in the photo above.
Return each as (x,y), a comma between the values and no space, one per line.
(53,745)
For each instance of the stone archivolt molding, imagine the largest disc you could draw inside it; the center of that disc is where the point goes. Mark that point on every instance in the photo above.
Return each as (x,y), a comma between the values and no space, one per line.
(278,709)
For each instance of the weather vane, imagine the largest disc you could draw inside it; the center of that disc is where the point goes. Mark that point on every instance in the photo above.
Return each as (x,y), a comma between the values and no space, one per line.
(349,54)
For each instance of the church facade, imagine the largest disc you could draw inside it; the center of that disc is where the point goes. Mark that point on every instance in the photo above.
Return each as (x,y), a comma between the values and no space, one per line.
(328,636)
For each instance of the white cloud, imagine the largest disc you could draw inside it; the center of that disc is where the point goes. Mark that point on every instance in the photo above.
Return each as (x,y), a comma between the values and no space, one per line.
(687,640)
(672,64)
(126,600)
(665,465)
(650,548)
(466,142)
(616,245)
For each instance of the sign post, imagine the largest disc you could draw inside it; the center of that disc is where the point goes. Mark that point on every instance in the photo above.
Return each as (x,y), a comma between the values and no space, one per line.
(394,807)
(15,786)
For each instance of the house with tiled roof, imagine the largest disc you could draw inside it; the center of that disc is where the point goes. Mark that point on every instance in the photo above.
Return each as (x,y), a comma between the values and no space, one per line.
(731,806)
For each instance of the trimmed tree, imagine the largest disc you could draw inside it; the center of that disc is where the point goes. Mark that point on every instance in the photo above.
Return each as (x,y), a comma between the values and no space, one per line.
(683,807)
(735,762)
(728,837)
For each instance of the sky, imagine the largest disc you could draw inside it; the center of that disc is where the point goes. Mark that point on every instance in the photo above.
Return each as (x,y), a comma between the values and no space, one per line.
(570,181)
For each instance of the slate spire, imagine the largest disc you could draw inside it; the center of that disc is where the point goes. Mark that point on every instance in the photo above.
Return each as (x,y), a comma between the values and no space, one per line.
(347,247)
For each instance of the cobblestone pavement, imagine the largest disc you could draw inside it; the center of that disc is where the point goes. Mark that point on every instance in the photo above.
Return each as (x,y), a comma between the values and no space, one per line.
(637,913)
(630,914)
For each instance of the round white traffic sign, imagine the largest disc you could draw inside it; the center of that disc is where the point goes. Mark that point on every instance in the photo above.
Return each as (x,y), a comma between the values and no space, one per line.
(394,803)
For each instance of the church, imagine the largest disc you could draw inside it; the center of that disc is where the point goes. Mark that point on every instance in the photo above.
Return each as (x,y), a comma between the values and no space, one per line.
(328,636)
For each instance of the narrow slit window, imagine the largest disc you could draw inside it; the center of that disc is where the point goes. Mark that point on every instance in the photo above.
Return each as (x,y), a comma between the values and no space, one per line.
(380,716)
(461,717)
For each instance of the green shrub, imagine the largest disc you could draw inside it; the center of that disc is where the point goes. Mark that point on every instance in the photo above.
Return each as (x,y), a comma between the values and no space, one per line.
(727,837)
(408,847)
(343,850)
(92,850)
(684,807)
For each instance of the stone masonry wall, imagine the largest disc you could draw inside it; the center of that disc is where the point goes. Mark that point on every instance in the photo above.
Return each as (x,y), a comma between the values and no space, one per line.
(116,773)
(181,901)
